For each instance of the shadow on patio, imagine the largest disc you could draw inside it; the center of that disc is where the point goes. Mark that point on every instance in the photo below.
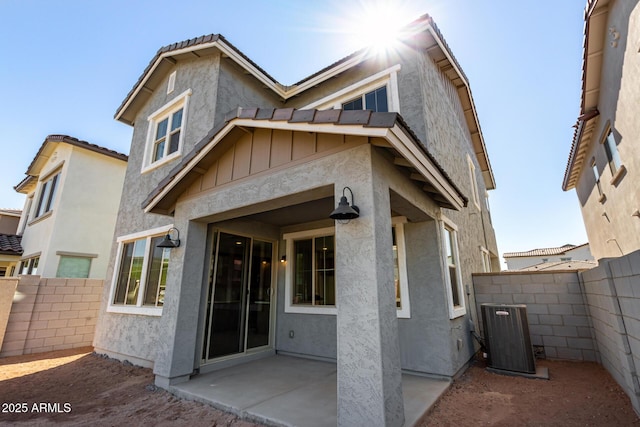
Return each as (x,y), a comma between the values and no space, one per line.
(291,391)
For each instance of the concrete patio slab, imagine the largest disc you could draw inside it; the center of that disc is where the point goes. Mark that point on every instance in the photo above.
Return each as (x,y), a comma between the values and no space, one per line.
(291,391)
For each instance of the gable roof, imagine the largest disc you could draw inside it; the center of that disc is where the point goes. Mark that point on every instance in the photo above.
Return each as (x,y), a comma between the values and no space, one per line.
(402,141)
(595,28)
(423,32)
(544,251)
(10,244)
(47,148)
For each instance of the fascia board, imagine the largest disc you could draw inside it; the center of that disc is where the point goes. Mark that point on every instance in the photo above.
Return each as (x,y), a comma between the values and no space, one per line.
(223,48)
(461,76)
(355,130)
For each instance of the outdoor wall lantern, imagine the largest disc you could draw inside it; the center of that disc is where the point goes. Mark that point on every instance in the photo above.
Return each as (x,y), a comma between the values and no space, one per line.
(167,242)
(345,213)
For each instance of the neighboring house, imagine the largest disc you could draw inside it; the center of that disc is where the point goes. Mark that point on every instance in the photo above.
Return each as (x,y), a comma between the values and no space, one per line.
(10,252)
(521,260)
(604,162)
(9,220)
(243,172)
(73,191)
(10,249)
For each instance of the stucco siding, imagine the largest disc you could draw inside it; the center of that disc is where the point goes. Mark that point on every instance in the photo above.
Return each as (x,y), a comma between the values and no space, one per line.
(611,227)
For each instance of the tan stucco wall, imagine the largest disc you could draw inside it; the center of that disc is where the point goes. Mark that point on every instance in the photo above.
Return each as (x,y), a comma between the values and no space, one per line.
(84,211)
(611,227)
(7,289)
(51,314)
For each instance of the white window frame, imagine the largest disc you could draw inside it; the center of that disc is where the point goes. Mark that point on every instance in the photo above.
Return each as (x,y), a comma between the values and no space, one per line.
(27,263)
(404,312)
(388,77)
(289,307)
(180,101)
(171,84)
(138,308)
(611,152)
(486,259)
(398,222)
(474,183)
(48,188)
(460,310)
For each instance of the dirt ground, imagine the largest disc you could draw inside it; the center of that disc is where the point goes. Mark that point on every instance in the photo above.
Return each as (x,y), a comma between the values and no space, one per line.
(76,387)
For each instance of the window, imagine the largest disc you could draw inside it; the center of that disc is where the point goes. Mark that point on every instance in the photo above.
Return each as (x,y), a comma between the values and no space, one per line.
(375,100)
(310,271)
(400,268)
(474,183)
(164,141)
(47,195)
(596,175)
(486,260)
(3,271)
(613,156)
(140,282)
(30,265)
(171,84)
(453,276)
(74,266)
(314,271)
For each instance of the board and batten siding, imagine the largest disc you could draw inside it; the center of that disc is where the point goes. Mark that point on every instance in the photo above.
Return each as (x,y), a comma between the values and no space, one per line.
(264,150)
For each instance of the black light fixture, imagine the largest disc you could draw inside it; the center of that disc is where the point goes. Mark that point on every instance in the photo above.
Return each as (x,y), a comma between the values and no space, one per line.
(344,212)
(167,242)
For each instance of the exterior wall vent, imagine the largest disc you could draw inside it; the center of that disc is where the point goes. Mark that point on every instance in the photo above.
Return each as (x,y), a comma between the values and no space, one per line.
(507,338)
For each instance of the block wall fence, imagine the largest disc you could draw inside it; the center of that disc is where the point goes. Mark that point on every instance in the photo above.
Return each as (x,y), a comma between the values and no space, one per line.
(592,315)
(49,314)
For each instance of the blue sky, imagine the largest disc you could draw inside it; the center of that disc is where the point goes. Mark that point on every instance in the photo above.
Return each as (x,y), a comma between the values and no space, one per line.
(67,65)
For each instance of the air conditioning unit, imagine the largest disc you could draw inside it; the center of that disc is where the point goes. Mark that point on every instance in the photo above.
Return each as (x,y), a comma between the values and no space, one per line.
(507,338)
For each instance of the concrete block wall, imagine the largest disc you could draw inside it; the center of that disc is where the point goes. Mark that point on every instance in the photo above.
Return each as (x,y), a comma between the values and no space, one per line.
(556,309)
(613,294)
(51,314)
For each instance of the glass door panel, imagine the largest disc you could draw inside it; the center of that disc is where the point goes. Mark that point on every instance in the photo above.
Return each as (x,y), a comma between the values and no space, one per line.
(239,296)
(259,295)
(229,296)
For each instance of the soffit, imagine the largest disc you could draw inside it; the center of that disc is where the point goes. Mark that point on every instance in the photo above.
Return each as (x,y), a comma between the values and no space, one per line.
(594,43)
(386,130)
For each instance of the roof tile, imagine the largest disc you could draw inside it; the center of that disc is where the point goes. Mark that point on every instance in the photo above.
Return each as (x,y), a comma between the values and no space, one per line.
(283,114)
(355,117)
(10,244)
(264,113)
(327,116)
(302,116)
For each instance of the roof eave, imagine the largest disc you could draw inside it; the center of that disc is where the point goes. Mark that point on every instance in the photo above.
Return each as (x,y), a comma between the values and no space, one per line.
(397,134)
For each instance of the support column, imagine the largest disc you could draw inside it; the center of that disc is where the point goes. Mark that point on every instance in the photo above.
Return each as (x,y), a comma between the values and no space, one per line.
(177,343)
(369,376)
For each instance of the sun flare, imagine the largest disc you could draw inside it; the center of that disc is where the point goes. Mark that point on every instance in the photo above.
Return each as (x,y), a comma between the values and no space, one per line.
(379,26)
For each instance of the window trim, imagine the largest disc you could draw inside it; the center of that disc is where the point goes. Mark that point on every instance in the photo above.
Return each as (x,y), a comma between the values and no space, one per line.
(54,175)
(474,183)
(289,238)
(138,308)
(611,150)
(180,101)
(405,310)
(486,260)
(388,77)
(403,313)
(460,310)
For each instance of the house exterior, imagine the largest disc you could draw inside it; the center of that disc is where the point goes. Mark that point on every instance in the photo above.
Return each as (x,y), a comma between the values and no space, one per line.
(10,249)
(566,253)
(73,190)
(604,161)
(243,173)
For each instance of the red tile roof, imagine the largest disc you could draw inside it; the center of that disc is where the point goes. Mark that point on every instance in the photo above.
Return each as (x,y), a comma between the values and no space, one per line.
(10,244)
(543,251)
